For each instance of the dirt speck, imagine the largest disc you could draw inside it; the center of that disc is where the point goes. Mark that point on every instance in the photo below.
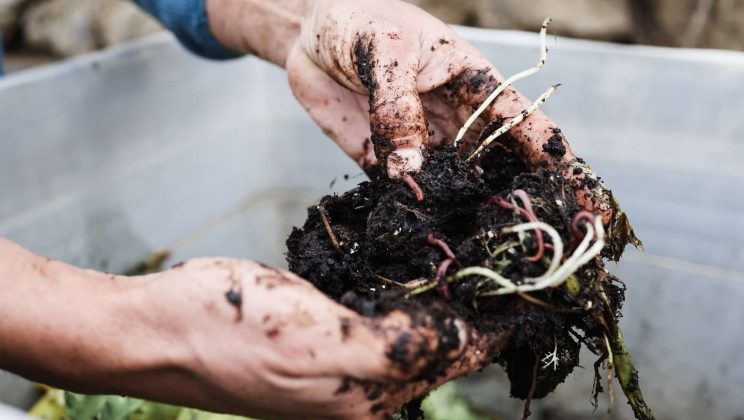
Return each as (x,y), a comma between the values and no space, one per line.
(234,297)
(555,146)
(345,328)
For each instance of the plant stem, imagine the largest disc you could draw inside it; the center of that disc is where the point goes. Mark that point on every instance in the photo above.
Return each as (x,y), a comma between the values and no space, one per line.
(514,121)
(508,82)
(626,372)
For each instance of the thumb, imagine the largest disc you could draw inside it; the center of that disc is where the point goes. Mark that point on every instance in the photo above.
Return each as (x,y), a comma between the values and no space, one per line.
(387,67)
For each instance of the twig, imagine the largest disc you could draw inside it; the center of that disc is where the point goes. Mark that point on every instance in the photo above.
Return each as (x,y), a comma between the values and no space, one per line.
(508,82)
(514,121)
(533,386)
(537,302)
(327,224)
(411,284)
(533,300)
(597,383)
(389,281)
(610,367)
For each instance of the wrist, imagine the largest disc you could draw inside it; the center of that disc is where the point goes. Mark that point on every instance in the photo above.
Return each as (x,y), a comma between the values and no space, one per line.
(44,335)
(76,329)
(267,29)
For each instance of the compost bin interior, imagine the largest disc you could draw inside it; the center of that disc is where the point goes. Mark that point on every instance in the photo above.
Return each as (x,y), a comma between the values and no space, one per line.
(109,162)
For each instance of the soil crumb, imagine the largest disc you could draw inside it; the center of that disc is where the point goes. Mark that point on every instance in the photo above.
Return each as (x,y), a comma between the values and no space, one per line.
(388,252)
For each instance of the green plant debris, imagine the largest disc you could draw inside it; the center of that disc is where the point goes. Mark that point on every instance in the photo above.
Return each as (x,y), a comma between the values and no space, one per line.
(446,403)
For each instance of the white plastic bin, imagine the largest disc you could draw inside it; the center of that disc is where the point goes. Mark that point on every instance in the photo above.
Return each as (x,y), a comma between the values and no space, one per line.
(108,157)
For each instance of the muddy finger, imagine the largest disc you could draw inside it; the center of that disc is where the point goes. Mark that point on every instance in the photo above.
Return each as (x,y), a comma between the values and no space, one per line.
(387,68)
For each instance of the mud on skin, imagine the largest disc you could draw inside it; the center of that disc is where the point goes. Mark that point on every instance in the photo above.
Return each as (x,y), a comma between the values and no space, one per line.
(382,231)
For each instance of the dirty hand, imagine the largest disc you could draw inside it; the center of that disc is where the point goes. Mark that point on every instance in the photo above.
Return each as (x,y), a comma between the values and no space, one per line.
(280,348)
(386,80)
(387,71)
(223,335)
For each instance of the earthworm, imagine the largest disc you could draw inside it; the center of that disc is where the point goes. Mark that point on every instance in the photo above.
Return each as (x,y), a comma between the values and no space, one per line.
(417,191)
(443,266)
(528,213)
(576,233)
(434,241)
(582,215)
(439,278)
(522,195)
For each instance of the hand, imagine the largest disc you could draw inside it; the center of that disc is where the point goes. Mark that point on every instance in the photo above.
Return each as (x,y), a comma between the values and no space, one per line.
(386,80)
(404,68)
(223,335)
(283,349)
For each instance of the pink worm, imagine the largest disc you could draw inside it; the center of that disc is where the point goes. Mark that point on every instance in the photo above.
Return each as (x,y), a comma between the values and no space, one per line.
(528,214)
(439,278)
(576,232)
(417,191)
(432,240)
(444,265)
(582,215)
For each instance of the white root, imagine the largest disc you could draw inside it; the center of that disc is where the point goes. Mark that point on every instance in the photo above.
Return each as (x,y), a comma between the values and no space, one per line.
(554,236)
(570,265)
(554,276)
(551,358)
(488,273)
(508,82)
(597,247)
(514,121)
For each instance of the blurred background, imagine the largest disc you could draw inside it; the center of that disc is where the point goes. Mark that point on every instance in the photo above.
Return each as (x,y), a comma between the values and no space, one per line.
(38,31)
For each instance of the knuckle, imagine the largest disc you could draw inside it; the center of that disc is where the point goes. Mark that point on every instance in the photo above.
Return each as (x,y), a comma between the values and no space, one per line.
(403,111)
(400,133)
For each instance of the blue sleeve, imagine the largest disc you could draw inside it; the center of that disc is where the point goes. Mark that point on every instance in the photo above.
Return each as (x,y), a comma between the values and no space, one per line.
(187,19)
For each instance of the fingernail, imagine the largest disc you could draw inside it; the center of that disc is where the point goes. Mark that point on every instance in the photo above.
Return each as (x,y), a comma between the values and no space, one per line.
(403,161)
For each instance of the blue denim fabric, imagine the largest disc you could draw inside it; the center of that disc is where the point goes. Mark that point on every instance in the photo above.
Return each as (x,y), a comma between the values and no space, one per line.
(187,19)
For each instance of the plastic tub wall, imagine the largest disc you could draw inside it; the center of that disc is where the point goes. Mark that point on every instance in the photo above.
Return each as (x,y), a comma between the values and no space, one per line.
(109,157)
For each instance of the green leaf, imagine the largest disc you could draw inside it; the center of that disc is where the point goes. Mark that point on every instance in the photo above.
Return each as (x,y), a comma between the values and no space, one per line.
(445,403)
(83,407)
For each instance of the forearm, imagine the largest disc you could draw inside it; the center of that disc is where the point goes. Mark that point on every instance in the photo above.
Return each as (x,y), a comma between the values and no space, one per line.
(146,336)
(264,28)
(69,327)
